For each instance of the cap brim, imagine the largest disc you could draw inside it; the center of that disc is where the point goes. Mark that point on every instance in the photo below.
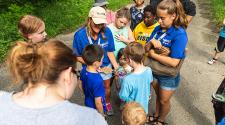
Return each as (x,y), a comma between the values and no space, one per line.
(100,4)
(99,21)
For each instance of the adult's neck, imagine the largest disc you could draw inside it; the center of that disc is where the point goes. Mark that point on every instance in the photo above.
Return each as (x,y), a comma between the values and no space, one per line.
(40,95)
(94,35)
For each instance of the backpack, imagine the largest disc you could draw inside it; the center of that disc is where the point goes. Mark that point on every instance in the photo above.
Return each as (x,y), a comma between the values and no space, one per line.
(218,100)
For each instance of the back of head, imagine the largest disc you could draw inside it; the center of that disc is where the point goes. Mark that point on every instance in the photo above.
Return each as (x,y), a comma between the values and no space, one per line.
(29,24)
(134,51)
(174,7)
(133,114)
(151,9)
(92,53)
(123,13)
(33,63)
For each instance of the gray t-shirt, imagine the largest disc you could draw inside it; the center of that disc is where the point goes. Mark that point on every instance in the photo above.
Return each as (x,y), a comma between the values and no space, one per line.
(64,113)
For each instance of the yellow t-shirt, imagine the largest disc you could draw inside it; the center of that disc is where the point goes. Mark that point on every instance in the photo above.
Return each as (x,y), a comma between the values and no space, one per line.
(142,33)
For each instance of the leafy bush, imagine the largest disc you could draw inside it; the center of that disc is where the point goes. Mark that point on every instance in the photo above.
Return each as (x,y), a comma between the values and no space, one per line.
(60,16)
(218,11)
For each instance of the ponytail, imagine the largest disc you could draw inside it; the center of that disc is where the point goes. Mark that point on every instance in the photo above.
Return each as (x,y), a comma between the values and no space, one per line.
(174,7)
(26,62)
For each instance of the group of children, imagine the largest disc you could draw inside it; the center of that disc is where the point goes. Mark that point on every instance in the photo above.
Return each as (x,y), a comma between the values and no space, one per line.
(134,78)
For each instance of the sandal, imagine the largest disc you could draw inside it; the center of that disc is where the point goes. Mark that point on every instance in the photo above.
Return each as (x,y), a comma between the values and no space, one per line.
(212,61)
(157,122)
(151,119)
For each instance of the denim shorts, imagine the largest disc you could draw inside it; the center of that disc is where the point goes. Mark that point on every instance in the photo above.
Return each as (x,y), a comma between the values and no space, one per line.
(106,76)
(167,82)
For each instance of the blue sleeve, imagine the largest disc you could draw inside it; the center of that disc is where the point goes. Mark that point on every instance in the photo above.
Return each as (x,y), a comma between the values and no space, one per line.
(77,48)
(178,46)
(98,88)
(111,46)
(125,91)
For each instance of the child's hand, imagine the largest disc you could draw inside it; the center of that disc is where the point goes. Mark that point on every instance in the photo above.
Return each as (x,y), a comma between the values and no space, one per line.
(121,38)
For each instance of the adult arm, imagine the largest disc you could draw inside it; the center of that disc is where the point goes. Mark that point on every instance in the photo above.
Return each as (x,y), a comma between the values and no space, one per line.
(166,60)
(113,59)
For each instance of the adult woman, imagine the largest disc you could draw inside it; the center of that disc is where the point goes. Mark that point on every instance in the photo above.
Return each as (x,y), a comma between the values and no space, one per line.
(95,32)
(171,33)
(46,71)
(188,5)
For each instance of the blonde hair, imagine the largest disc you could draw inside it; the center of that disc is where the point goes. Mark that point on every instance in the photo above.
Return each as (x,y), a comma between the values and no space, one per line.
(29,24)
(174,7)
(123,12)
(33,63)
(133,114)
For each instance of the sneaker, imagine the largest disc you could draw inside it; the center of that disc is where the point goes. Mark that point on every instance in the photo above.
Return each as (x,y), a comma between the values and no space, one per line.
(212,61)
(218,97)
(109,109)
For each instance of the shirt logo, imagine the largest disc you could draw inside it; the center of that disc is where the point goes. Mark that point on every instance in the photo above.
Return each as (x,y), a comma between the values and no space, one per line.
(166,42)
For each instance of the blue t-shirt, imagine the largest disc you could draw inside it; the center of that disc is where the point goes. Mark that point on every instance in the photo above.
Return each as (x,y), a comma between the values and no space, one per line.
(136,87)
(222,32)
(93,87)
(80,41)
(176,39)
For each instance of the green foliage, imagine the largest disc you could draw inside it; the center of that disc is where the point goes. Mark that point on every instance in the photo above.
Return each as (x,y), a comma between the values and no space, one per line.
(218,7)
(60,16)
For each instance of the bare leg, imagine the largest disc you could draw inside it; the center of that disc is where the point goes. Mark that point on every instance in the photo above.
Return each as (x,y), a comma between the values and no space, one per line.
(156,88)
(107,90)
(165,96)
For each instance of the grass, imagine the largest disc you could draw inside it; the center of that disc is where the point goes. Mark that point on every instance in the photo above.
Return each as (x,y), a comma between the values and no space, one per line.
(62,16)
(218,8)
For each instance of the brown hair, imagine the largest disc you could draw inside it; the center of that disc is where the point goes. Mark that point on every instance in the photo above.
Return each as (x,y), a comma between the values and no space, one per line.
(134,51)
(174,7)
(32,63)
(133,114)
(29,24)
(123,12)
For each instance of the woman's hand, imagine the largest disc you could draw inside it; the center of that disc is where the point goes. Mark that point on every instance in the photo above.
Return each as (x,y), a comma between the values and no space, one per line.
(156,43)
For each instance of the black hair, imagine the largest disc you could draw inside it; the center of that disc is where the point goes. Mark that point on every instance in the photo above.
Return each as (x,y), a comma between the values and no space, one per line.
(150,8)
(92,53)
(120,53)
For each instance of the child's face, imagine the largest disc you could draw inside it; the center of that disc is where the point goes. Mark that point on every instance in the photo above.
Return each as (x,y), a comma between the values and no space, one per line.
(148,19)
(139,2)
(121,22)
(38,36)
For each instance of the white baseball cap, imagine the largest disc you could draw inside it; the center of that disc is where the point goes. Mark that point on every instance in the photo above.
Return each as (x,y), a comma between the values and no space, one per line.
(98,15)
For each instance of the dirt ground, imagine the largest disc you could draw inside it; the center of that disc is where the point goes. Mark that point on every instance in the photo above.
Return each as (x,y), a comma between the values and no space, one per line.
(191,104)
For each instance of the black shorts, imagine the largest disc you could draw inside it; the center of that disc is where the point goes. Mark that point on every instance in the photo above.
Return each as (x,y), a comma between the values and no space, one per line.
(220,44)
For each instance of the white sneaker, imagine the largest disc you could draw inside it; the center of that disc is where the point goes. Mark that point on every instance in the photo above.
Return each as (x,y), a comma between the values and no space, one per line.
(212,61)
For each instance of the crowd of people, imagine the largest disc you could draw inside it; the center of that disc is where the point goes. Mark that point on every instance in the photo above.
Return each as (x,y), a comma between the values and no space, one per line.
(137,48)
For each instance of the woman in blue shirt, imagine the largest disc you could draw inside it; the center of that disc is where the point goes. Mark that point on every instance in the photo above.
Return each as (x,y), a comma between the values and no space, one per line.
(95,32)
(173,22)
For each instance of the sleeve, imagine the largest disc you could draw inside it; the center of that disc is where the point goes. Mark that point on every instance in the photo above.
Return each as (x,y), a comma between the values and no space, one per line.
(178,46)
(77,48)
(98,88)
(190,8)
(125,91)
(111,46)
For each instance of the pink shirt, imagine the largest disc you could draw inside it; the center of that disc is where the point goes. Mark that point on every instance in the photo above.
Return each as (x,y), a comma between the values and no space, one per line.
(110,16)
